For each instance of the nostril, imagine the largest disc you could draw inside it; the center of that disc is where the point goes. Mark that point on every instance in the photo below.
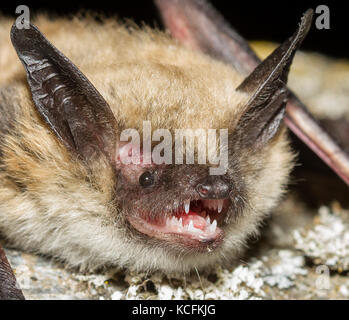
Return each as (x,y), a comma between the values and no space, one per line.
(203,190)
(213,189)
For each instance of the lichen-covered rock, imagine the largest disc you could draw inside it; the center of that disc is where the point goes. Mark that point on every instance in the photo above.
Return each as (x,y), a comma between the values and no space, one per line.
(279,274)
(327,240)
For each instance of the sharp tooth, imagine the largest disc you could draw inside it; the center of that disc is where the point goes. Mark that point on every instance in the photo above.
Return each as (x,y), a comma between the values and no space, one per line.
(191,226)
(186,206)
(208,219)
(173,221)
(220,206)
(179,225)
(212,227)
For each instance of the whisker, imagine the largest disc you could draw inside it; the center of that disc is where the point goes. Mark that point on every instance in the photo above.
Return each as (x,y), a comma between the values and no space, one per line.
(202,287)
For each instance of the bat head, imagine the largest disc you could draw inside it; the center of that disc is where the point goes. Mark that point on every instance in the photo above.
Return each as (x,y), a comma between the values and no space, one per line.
(163,212)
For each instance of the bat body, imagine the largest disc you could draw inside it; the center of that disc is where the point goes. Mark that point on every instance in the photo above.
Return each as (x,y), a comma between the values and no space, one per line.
(65,193)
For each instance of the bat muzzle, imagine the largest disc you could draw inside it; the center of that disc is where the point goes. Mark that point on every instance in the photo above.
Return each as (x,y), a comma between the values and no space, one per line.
(214,187)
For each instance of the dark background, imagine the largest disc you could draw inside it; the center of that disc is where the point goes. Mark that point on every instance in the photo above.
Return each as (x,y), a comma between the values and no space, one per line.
(265,20)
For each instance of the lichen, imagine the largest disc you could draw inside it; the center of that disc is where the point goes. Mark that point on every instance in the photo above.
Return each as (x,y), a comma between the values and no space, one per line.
(327,240)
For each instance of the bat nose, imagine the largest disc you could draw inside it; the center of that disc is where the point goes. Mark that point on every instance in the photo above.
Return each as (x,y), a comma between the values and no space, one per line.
(213,187)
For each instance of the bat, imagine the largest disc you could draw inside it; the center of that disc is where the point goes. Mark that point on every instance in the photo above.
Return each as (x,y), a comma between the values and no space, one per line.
(65,191)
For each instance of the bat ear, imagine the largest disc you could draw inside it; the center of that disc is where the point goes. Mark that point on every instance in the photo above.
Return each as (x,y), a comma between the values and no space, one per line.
(64,97)
(268,94)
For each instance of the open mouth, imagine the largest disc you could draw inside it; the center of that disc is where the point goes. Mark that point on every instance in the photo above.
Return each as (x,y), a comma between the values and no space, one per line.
(195,223)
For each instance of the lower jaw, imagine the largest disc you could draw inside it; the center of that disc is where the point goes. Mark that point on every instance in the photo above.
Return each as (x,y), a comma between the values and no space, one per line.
(179,241)
(192,242)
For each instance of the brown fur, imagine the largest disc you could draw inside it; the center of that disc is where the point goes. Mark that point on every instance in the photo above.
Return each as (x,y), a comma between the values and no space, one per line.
(52,204)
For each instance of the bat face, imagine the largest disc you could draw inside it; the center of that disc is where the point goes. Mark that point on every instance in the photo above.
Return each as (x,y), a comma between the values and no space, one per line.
(67,192)
(181,207)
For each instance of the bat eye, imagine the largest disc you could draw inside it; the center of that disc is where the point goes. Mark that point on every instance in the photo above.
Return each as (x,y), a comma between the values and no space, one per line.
(146,179)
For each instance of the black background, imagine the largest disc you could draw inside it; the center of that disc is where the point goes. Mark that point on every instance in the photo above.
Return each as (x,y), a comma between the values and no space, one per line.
(123,309)
(264,20)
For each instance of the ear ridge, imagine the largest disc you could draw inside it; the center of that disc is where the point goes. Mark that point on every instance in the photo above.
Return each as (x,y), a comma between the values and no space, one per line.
(64,97)
(263,113)
(276,66)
